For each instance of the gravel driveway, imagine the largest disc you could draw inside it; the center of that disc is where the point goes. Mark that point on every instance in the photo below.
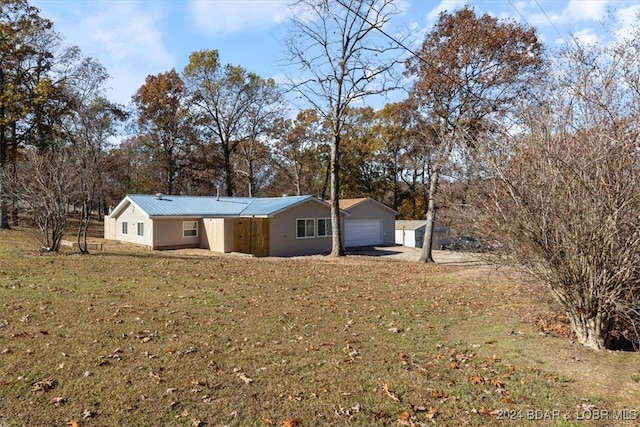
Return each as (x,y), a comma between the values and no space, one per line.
(413,254)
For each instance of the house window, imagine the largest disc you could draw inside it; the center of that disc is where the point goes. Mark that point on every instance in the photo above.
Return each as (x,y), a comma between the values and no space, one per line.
(125,227)
(140,229)
(306,227)
(190,229)
(324,227)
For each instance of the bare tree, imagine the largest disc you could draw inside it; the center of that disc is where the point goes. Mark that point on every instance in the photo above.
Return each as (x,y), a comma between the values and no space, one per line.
(341,58)
(565,203)
(48,191)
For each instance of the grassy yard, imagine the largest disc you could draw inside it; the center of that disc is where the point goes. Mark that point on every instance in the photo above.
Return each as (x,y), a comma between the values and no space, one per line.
(125,337)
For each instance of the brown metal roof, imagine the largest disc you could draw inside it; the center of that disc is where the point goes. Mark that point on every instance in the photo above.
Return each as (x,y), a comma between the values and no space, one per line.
(345,204)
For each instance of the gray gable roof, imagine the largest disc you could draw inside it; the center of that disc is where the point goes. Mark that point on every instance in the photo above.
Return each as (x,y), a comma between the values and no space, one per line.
(206,206)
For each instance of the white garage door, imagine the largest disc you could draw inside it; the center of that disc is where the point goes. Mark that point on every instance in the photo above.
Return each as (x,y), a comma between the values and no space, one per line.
(362,232)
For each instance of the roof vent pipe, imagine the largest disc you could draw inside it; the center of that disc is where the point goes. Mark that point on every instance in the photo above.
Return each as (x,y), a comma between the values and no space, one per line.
(159,196)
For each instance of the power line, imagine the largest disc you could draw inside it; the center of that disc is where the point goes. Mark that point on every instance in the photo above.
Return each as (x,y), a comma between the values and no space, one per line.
(554,25)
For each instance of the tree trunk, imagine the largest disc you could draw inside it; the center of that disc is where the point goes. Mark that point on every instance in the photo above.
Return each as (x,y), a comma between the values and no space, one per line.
(83,228)
(591,330)
(228,179)
(337,249)
(4,208)
(327,178)
(425,254)
(4,217)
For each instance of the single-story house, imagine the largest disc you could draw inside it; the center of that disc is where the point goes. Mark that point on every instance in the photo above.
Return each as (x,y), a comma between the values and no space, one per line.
(276,226)
(370,223)
(411,233)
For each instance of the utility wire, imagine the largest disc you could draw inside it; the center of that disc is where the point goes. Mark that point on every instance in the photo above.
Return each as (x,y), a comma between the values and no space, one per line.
(396,41)
(554,25)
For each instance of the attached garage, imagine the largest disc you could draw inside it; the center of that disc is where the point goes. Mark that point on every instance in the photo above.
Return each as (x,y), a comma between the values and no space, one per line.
(370,223)
(366,232)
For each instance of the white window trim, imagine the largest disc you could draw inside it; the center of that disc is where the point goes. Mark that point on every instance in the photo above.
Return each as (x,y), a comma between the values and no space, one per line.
(305,228)
(138,229)
(189,229)
(125,227)
(327,221)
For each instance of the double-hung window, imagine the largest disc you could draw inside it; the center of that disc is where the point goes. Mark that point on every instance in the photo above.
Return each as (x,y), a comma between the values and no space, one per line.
(190,229)
(125,227)
(140,228)
(305,228)
(324,227)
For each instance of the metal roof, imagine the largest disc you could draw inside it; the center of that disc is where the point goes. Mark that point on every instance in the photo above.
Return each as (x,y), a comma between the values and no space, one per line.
(414,224)
(206,206)
(347,204)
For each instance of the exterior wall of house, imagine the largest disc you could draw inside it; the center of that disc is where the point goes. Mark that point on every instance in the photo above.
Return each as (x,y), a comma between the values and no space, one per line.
(133,216)
(168,233)
(283,231)
(370,210)
(109,228)
(217,234)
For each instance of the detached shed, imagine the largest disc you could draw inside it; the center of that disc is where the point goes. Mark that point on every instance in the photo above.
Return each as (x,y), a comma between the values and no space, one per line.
(276,226)
(411,233)
(370,223)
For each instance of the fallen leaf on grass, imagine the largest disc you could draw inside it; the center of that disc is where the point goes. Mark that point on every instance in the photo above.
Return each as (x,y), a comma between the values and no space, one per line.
(377,415)
(245,378)
(156,376)
(476,379)
(392,396)
(58,400)
(268,421)
(46,385)
(497,383)
(438,395)
(88,414)
(404,419)
(485,411)
(195,381)
(432,412)
(73,423)
(290,422)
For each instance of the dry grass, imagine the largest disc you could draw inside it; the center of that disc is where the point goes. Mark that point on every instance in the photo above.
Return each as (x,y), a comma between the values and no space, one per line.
(129,337)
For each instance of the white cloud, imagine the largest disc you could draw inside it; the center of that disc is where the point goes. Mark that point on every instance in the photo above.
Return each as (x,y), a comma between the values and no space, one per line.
(124,36)
(627,22)
(225,17)
(127,38)
(445,5)
(580,11)
(586,37)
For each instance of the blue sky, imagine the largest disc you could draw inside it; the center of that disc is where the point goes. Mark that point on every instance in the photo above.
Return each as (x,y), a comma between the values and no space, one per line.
(135,38)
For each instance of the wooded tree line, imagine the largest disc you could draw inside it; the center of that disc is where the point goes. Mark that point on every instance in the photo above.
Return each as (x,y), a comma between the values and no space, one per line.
(536,152)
